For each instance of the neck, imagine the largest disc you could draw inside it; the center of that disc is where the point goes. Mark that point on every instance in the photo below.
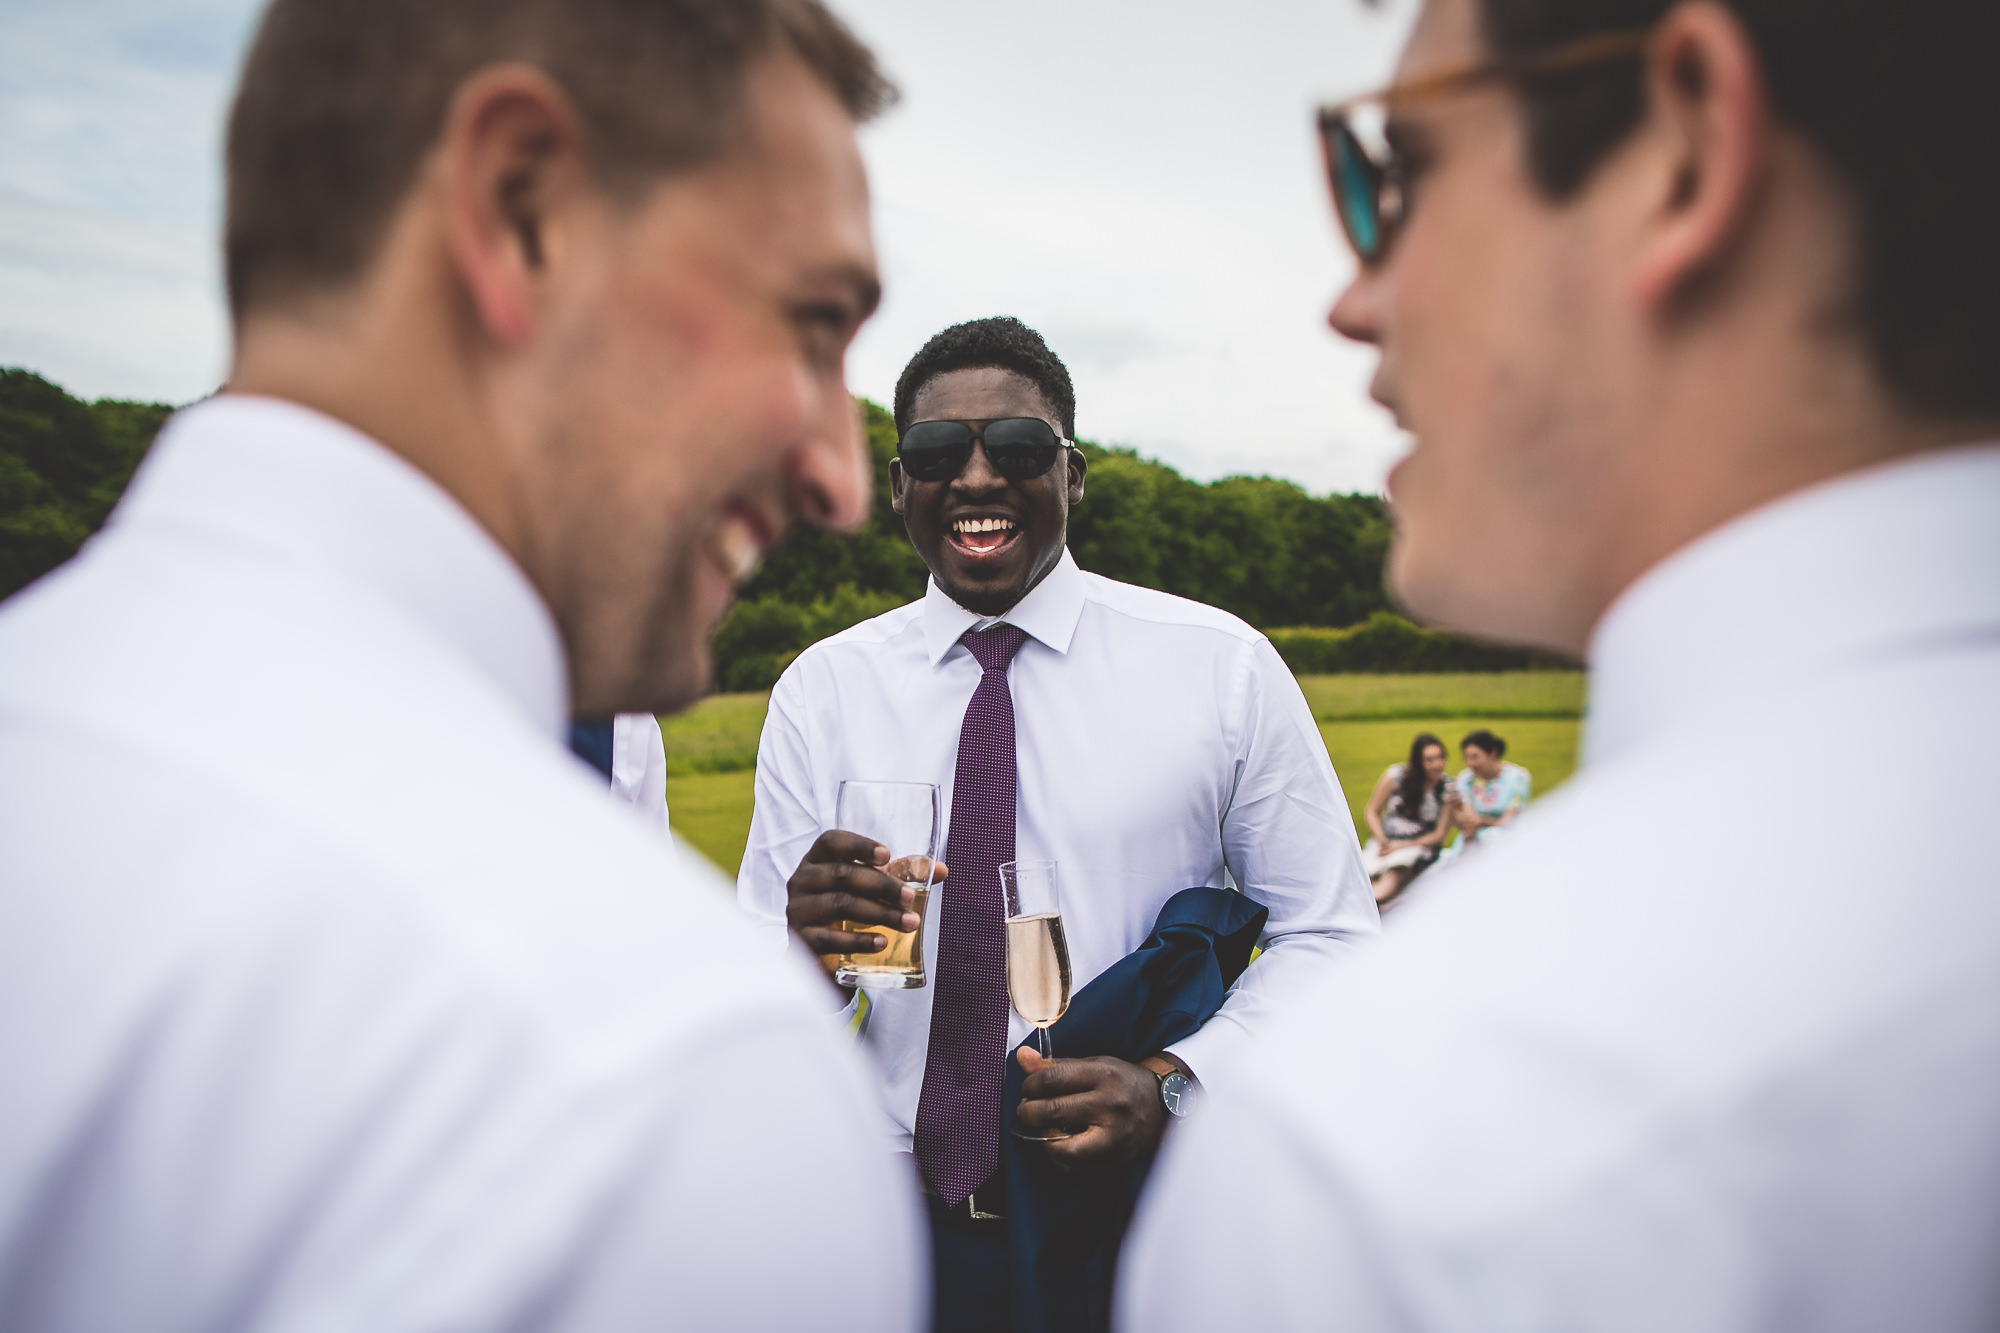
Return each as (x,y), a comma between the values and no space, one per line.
(386,359)
(1750,383)
(1723,454)
(1780,397)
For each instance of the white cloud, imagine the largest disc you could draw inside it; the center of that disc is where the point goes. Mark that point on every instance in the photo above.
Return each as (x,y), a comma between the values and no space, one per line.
(1137,181)
(108,306)
(1143,186)
(110,147)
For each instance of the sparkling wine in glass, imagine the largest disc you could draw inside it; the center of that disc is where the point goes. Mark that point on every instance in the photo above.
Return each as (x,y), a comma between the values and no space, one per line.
(1037,954)
(902,816)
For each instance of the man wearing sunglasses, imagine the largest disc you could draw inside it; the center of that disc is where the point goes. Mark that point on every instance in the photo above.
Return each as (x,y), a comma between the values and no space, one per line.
(1145,743)
(1693,313)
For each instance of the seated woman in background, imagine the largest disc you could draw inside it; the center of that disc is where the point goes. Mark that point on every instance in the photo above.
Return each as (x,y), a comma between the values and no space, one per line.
(1408,816)
(1491,792)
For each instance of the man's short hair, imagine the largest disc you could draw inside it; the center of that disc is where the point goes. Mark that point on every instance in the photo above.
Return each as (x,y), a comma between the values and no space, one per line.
(999,342)
(1897,96)
(1486,741)
(341,100)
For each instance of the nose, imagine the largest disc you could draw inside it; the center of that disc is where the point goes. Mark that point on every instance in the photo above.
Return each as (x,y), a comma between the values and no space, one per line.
(1357,313)
(978,476)
(831,475)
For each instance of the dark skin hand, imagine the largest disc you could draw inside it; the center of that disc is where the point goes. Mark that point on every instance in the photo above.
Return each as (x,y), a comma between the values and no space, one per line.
(846,878)
(1112,1108)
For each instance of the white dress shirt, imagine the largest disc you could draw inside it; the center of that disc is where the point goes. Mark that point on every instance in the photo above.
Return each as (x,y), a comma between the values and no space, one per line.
(1160,745)
(334,993)
(1711,1040)
(639,766)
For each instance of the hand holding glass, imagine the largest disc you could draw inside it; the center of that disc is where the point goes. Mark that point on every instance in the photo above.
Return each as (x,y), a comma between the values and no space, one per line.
(902,816)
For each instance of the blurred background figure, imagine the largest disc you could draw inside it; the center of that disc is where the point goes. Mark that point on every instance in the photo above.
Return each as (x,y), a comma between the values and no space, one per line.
(1692,310)
(390,1019)
(1408,819)
(631,754)
(1491,792)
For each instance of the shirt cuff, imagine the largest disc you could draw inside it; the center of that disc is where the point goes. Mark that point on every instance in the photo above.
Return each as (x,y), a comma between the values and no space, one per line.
(1179,1050)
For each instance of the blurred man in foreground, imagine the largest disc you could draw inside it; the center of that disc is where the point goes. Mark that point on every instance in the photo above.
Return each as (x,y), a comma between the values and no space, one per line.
(1694,313)
(385,1018)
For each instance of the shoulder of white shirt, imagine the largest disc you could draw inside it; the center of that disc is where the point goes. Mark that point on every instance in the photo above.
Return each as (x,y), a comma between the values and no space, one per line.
(870,633)
(1164,608)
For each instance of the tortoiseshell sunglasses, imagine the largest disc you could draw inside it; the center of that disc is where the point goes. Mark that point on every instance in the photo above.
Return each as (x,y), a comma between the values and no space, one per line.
(1369,175)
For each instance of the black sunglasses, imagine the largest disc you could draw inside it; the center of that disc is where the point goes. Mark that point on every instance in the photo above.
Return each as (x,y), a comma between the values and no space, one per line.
(1020,448)
(1370,178)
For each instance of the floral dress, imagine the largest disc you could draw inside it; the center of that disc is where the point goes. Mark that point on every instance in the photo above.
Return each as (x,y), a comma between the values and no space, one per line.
(1508,790)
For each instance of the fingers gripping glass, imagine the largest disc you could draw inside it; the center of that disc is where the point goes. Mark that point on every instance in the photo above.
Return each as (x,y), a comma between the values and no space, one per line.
(902,816)
(1370,177)
(1020,448)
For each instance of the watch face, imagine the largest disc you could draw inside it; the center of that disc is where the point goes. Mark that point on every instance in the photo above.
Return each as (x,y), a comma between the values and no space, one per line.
(1173,1093)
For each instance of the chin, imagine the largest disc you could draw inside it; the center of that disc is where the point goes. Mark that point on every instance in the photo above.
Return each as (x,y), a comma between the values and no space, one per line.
(1413,588)
(685,682)
(1433,581)
(1433,586)
(985,601)
(665,679)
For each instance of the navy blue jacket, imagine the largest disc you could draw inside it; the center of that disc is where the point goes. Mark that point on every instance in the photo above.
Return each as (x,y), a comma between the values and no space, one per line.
(591,742)
(1063,1231)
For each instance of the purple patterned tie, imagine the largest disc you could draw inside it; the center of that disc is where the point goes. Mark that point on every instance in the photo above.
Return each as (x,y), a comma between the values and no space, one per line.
(958,1112)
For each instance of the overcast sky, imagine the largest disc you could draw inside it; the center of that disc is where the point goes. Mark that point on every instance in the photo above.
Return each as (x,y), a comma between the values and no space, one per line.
(1137,180)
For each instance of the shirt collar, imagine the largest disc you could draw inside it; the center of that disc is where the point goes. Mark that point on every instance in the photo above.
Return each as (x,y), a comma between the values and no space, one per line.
(300,486)
(1861,567)
(1048,614)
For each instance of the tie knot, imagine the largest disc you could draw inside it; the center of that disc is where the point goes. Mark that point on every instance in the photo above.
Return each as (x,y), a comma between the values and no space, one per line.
(995,647)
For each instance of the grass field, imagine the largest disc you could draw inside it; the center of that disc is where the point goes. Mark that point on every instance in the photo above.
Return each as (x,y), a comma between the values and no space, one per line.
(717,735)
(1367,722)
(712,811)
(1482,697)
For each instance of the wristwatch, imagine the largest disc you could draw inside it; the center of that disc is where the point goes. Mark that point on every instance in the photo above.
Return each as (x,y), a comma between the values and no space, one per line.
(1176,1093)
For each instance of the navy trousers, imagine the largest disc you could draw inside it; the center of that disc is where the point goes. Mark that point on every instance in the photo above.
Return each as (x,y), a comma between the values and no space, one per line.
(968,1274)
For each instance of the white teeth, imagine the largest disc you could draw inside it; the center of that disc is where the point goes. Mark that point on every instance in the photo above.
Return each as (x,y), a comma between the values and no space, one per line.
(736,548)
(983,525)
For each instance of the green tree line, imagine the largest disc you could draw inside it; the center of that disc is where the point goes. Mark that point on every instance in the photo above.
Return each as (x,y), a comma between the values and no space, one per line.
(63,464)
(1307,569)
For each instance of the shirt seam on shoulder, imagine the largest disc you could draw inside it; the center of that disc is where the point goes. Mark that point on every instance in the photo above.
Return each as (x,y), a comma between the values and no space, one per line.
(855,633)
(1247,634)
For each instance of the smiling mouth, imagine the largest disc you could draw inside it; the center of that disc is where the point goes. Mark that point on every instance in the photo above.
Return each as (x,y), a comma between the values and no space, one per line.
(983,537)
(738,547)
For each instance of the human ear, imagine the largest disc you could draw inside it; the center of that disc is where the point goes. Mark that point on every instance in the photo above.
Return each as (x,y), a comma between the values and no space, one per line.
(1078,467)
(510,159)
(1706,94)
(897,480)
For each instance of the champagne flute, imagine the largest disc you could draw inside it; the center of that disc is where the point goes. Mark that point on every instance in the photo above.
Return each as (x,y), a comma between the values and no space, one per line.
(1037,955)
(902,816)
